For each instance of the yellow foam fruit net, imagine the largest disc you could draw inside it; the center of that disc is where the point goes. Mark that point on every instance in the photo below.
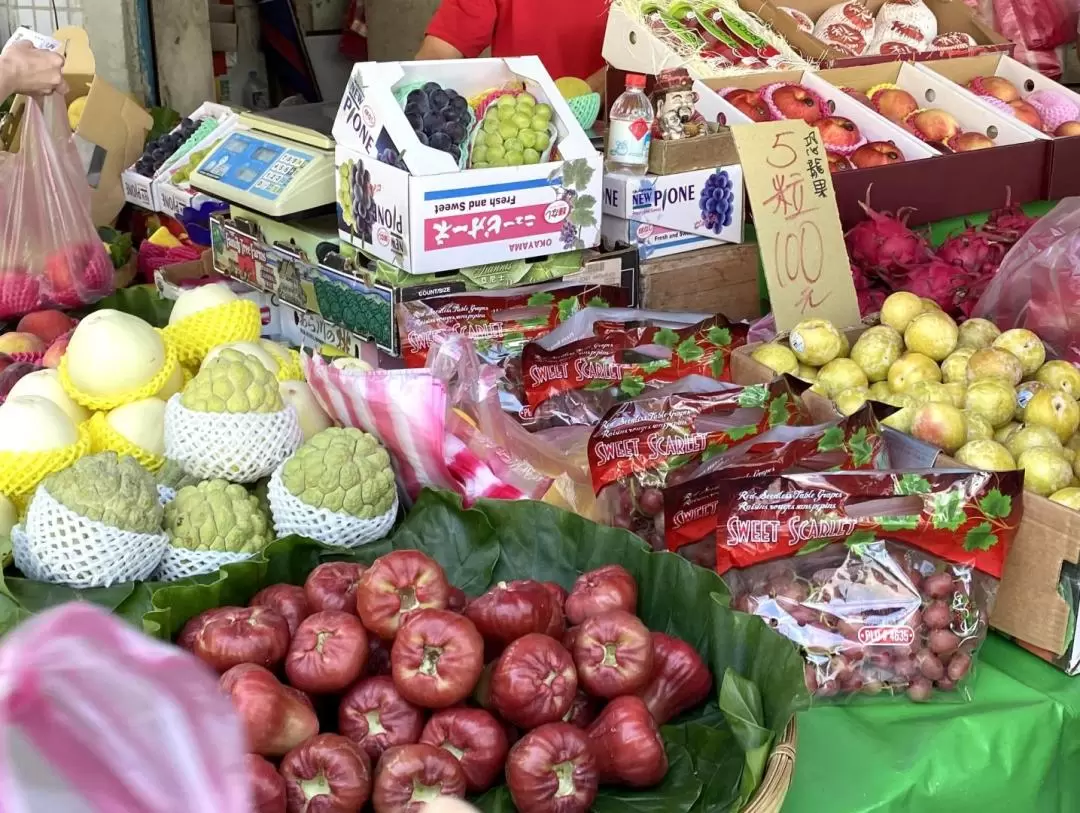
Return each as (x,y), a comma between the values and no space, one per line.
(103,438)
(292,371)
(196,335)
(883,86)
(100,404)
(22,472)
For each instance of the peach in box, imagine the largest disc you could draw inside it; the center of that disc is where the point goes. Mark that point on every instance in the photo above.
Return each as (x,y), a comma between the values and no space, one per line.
(894,103)
(966,142)
(1069,128)
(994,86)
(933,124)
(47,325)
(16,342)
(877,154)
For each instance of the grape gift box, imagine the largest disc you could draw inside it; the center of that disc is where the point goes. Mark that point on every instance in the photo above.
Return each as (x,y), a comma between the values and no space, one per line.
(706,202)
(413,206)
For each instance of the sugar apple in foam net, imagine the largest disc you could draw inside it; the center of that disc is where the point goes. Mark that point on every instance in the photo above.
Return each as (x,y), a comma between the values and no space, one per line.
(110,489)
(216,515)
(342,470)
(233,382)
(171,475)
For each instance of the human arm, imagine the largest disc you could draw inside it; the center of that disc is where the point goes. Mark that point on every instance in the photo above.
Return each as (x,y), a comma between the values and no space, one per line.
(30,70)
(459,28)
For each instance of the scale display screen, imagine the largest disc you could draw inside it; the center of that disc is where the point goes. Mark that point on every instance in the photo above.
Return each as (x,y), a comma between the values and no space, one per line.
(249,164)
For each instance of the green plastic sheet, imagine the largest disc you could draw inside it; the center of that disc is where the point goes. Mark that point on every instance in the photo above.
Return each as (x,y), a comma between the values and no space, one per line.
(1015,749)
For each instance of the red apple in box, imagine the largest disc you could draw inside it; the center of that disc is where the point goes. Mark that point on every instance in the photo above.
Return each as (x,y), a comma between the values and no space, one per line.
(1027,114)
(839,134)
(967,142)
(1068,128)
(838,162)
(933,124)
(877,154)
(749,104)
(790,101)
(48,325)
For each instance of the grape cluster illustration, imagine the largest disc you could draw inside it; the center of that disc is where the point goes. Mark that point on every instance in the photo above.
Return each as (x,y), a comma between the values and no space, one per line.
(363,202)
(569,232)
(439,117)
(717,201)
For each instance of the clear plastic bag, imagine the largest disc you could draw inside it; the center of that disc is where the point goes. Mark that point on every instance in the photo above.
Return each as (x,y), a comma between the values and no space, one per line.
(50,253)
(1038,25)
(1037,287)
(97,717)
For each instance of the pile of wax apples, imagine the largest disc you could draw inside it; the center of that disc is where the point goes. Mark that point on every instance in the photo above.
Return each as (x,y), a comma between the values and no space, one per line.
(573,693)
(1046,110)
(845,145)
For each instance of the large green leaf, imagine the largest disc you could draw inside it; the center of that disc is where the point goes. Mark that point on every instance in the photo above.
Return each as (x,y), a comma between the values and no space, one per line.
(139,300)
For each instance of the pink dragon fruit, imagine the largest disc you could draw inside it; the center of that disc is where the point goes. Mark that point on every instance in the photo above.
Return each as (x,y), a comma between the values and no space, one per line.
(974,251)
(870,301)
(885,245)
(1009,223)
(946,284)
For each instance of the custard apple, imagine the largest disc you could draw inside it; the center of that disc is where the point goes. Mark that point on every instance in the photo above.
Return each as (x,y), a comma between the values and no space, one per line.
(216,515)
(233,382)
(107,488)
(173,476)
(342,470)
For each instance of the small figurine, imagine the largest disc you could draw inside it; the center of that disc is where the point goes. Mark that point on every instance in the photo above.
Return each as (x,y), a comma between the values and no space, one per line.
(674,100)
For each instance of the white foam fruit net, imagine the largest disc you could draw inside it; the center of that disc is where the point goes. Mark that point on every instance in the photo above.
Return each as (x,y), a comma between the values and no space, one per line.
(57,545)
(291,516)
(240,448)
(181,563)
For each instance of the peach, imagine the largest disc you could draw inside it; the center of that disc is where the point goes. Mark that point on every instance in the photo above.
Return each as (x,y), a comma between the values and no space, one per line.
(46,325)
(56,352)
(1068,128)
(838,134)
(933,124)
(16,342)
(838,162)
(966,142)
(877,154)
(1027,114)
(994,86)
(895,104)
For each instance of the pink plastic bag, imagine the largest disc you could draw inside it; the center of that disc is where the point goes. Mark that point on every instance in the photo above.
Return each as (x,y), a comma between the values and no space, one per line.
(412,415)
(50,253)
(1038,25)
(95,717)
(1037,286)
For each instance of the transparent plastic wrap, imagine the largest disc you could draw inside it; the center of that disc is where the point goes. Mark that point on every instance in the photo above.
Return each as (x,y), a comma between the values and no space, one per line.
(1038,25)
(95,716)
(643,446)
(1037,287)
(50,254)
(885,580)
(604,356)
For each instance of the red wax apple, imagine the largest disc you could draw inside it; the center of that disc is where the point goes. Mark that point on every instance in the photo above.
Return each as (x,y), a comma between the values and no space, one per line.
(332,586)
(627,745)
(437,658)
(533,682)
(680,679)
(475,738)
(328,773)
(227,636)
(375,716)
(614,655)
(275,717)
(552,770)
(510,610)
(267,785)
(607,588)
(410,776)
(287,599)
(327,653)
(397,584)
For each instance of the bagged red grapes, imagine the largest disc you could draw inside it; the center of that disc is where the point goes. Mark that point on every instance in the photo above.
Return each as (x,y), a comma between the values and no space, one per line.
(647,444)
(884,579)
(847,444)
(499,323)
(602,357)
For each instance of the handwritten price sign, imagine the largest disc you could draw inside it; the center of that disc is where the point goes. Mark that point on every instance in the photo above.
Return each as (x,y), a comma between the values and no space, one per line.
(798,226)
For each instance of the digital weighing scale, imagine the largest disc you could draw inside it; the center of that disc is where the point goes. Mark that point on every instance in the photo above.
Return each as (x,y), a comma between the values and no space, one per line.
(279,164)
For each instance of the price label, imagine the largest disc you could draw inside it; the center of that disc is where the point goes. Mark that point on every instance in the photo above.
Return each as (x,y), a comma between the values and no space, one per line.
(797,222)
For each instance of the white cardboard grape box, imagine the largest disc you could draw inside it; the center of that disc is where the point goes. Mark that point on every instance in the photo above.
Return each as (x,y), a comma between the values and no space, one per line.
(436,217)
(652,242)
(673,201)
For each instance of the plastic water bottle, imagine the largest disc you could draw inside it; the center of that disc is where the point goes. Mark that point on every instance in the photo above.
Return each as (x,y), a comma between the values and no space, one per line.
(630,129)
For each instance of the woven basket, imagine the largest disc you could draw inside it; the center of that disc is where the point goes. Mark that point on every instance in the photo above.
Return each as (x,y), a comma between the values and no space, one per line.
(778,772)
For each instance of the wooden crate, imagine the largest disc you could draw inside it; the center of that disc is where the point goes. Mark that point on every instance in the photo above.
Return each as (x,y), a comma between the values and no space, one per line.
(716,280)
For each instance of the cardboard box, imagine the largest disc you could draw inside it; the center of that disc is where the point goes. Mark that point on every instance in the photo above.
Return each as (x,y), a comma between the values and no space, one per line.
(1028,605)
(686,155)
(224,34)
(723,279)
(674,201)
(652,242)
(950,185)
(356,300)
(148,192)
(630,46)
(304,329)
(1064,178)
(951,16)
(112,130)
(433,216)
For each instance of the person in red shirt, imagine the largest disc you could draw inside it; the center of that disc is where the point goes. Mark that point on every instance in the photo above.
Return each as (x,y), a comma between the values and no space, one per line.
(567,35)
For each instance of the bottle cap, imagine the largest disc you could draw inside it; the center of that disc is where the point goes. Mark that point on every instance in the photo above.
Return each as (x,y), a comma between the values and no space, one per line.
(635,80)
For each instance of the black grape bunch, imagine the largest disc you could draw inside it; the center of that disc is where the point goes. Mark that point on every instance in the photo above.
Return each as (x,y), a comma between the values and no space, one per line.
(363,202)
(439,117)
(161,149)
(717,201)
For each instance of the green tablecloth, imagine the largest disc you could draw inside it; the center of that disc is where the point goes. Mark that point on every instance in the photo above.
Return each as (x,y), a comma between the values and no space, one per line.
(1015,749)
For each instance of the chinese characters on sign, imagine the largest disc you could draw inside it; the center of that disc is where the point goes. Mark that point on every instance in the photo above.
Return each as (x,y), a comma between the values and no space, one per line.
(798,226)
